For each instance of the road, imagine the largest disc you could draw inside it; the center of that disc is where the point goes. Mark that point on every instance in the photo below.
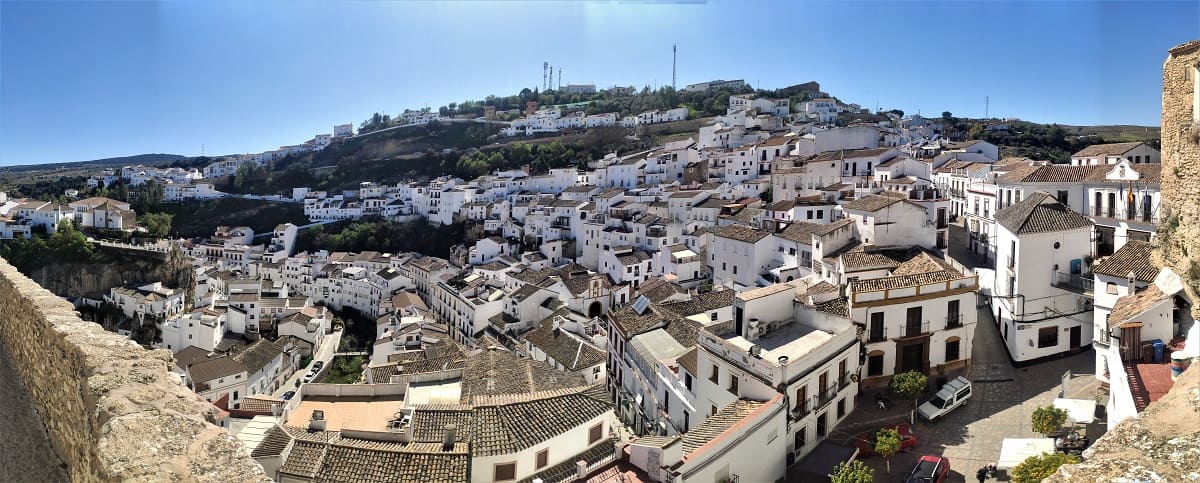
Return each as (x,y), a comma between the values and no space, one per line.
(1000,407)
(328,347)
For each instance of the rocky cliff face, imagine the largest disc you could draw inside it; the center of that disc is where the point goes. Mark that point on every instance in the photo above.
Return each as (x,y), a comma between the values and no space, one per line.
(126,267)
(1179,233)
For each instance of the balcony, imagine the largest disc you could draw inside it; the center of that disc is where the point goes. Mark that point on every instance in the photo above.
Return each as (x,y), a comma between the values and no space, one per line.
(915,329)
(826,396)
(1074,282)
(954,321)
(804,408)
(876,335)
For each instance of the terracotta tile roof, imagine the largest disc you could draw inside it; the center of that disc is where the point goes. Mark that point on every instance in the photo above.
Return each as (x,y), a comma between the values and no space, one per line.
(800,231)
(658,289)
(701,303)
(1129,307)
(566,471)
(213,369)
(688,361)
(512,427)
(1111,149)
(1039,213)
(1054,173)
(566,349)
(871,203)
(1135,256)
(839,306)
(333,458)
(739,233)
(305,459)
(273,443)
(860,257)
(718,423)
(257,355)
(497,372)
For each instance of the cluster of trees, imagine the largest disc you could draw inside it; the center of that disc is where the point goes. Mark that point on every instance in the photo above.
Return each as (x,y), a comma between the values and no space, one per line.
(540,157)
(66,245)
(384,236)
(51,189)
(158,225)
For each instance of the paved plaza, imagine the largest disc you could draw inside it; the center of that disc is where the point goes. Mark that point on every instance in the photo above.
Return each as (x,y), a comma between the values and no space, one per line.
(1001,407)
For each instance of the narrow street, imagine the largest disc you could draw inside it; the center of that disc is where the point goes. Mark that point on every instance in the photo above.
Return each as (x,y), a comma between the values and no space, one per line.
(328,347)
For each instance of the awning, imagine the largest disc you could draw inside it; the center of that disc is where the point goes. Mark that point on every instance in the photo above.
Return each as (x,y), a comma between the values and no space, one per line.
(1082,411)
(1016,450)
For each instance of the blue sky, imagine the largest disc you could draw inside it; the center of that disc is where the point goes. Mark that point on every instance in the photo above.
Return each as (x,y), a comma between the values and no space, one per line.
(90,80)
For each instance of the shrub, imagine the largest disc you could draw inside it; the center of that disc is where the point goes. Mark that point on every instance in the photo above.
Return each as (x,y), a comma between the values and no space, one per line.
(1038,468)
(1048,419)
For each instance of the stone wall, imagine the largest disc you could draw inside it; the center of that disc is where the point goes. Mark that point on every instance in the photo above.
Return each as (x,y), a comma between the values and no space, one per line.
(1179,230)
(113,411)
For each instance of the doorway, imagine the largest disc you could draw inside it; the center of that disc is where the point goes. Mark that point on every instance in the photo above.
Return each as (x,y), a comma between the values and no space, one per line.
(595,309)
(912,358)
(1076,337)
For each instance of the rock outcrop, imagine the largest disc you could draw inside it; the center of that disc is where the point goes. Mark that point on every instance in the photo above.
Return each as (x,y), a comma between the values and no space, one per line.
(113,410)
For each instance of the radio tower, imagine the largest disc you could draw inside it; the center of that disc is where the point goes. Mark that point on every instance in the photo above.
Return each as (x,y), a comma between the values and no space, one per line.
(559,79)
(545,83)
(674,57)
(551,77)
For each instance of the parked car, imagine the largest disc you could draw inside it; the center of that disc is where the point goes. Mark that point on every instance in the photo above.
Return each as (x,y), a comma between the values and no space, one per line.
(954,394)
(316,366)
(288,395)
(865,442)
(931,469)
(309,377)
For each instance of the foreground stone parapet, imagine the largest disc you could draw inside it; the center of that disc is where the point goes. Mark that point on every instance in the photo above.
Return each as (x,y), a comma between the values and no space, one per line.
(113,410)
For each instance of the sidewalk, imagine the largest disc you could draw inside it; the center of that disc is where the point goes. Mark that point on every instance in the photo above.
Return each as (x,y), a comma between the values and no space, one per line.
(328,347)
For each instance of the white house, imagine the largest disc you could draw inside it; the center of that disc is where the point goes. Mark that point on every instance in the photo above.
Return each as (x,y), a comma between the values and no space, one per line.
(1041,281)
(738,255)
(1101,154)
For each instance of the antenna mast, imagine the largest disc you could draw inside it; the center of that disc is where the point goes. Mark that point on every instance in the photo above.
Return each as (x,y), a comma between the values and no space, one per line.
(674,59)
(987,101)
(545,83)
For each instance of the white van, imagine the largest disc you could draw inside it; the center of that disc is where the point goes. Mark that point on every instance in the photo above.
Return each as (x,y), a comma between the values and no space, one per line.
(954,394)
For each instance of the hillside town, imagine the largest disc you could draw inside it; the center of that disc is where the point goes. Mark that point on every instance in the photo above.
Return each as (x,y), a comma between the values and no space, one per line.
(735,305)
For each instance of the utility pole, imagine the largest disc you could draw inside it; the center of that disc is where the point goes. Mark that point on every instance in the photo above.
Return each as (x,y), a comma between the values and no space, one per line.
(559,88)
(674,58)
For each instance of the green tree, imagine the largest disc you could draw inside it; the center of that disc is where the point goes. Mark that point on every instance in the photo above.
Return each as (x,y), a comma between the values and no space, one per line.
(976,131)
(1048,419)
(157,225)
(909,385)
(852,472)
(1038,468)
(887,443)
(947,115)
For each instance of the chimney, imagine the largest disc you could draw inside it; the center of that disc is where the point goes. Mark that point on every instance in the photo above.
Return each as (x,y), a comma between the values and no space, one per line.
(317,421)
(1132,283)
(448,438)
(581,468)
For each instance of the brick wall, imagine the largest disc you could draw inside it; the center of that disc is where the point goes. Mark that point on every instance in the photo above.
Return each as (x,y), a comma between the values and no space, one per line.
(113,410)
(1179,233)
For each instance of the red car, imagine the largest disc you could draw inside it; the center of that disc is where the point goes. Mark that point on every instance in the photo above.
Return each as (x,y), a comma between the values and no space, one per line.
(866,442)
(931,469)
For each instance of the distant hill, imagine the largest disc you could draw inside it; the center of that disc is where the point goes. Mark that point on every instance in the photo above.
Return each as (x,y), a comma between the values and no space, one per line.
(147,159)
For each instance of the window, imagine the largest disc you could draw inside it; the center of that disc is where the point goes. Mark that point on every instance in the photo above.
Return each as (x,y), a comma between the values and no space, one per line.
(687,417)
(716,374)
(735,269)
(595,433)
(687,381)
(1047,337)
(505,471)
(543,459)
(952,349)
(713,412)
(1112,288)
(810,214)
(733,384)
(1062,196)
(820,214)
(841,408)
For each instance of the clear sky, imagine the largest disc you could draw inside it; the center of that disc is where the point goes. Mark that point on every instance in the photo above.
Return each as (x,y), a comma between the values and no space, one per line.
(89,80)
